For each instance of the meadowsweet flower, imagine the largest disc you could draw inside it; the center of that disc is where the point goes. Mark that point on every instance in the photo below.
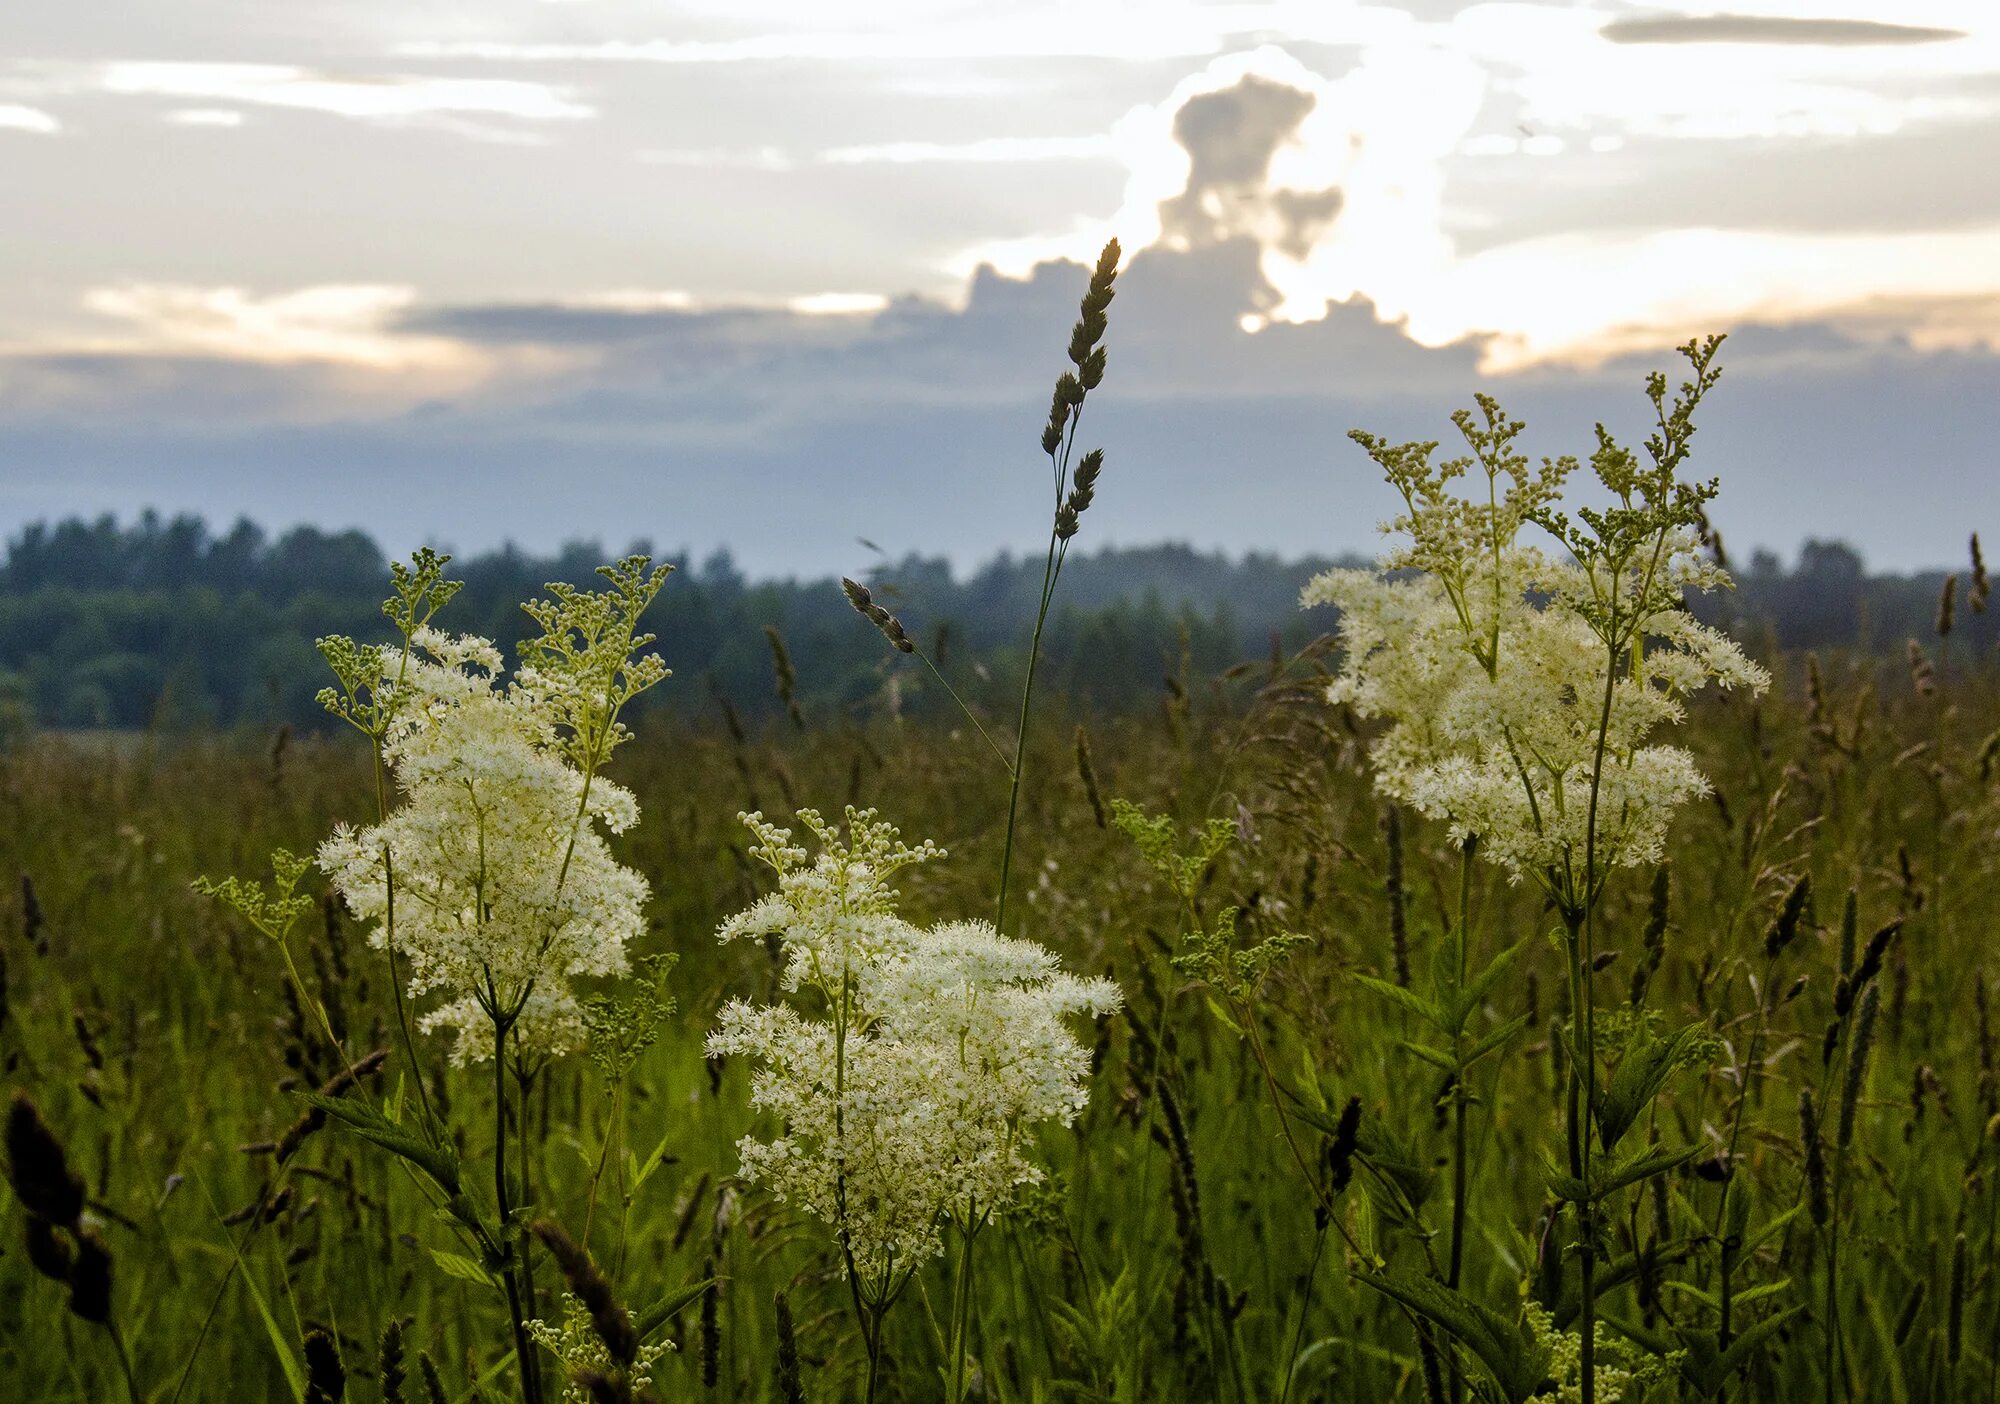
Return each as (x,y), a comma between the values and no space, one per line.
(502,884)
(574,1341)
(1619,1372)
(1511,683)
(912,1093)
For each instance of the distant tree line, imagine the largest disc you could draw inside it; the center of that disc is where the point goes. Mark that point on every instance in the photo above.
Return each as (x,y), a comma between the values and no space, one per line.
(165,623)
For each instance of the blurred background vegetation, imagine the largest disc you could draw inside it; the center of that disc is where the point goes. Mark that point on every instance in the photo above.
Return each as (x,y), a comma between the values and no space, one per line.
(167,624)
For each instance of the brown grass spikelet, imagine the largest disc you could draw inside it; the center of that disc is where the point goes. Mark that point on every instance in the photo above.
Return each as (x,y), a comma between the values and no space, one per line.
(1340,1150)
(1855,1083)
(390,1371)
(34,924)
(1947,607)
(785,675)
(610,1320)
(1922,676)
(864,604)
(427,1371)
(1813,1150)
(1784,928)
(791,1385)
(1981,586)
(1653,948)
(1087,773)
(1954,1316)
(711,1328)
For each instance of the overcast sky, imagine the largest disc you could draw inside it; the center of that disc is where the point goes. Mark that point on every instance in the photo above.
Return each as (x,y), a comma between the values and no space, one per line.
(781,274)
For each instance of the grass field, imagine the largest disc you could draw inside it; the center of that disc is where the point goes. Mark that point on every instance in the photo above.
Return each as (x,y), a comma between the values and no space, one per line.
(1175,1255)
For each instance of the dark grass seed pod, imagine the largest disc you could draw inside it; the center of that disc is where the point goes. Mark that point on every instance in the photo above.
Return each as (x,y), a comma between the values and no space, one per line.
(711,1328)
(41,1174)
(1818,1202)
(389,1366)
(791,1385)
(427,1371)
(1954,1316)
(1784,928)
(611,1321)
(1392,884)
(90,1279)
(48,1251)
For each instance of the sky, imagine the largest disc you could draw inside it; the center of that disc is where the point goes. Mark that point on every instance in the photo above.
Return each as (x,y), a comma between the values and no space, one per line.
(793,277)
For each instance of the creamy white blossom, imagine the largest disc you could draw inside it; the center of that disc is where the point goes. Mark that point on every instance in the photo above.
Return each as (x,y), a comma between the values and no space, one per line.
(502,884)
(910,1090)
(1509,683)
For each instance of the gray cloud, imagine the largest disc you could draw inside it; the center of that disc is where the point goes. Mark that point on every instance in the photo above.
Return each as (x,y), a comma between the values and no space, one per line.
(1231,137)
(785,437)
(1767,29)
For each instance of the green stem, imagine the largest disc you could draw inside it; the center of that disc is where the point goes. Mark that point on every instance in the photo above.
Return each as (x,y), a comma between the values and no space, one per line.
(1458,1168)
(1051,568)
(961,1307)
(524,1351)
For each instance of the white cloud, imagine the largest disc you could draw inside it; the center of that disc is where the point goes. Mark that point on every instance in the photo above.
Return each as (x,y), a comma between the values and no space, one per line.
(837,304)
(16,118)
(1580,298)
(204,117)
(1131,30)
(984,151)
(381,98)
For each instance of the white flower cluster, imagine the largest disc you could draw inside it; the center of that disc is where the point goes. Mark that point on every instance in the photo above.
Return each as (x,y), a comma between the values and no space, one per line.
(575,1342)
(492,870)
(1492,680)
(910,1092)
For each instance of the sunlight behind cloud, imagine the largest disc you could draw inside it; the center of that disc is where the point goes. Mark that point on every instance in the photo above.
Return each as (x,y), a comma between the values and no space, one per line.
(16,118)
(346,324)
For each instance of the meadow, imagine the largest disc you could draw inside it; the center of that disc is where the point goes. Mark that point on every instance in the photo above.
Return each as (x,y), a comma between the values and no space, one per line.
(1405,1019)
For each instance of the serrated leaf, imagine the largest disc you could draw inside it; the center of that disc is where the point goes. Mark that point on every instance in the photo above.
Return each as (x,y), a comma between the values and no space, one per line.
(1518,1365)
(1408,999)
(1474,994)
(1639,1076)
(1436,1057)
(463,1268)
(1496,1039)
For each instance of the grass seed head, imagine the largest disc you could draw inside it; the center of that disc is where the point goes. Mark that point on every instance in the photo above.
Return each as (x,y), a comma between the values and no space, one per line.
(40,1171)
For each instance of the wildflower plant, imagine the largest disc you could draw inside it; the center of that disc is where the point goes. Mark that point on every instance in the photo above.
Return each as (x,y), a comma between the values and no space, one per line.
(910,1074)
(1521,689)
(487,879)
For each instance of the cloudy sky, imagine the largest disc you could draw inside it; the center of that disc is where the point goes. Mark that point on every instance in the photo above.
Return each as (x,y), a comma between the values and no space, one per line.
(781,274)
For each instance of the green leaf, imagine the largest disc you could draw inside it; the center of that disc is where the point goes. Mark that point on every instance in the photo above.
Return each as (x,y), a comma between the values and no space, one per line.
(463,1268)
(1606,1181)
(1640,1075)
(1518,1365)
(1474,994)
(1776,1226)
(1408,999)
(1744,1346)
(670,1306)
(1437,1057)
(1496,1039)
(436,1159)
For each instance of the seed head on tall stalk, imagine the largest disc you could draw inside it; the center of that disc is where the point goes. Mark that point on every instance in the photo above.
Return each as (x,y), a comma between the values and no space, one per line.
(1074,484)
